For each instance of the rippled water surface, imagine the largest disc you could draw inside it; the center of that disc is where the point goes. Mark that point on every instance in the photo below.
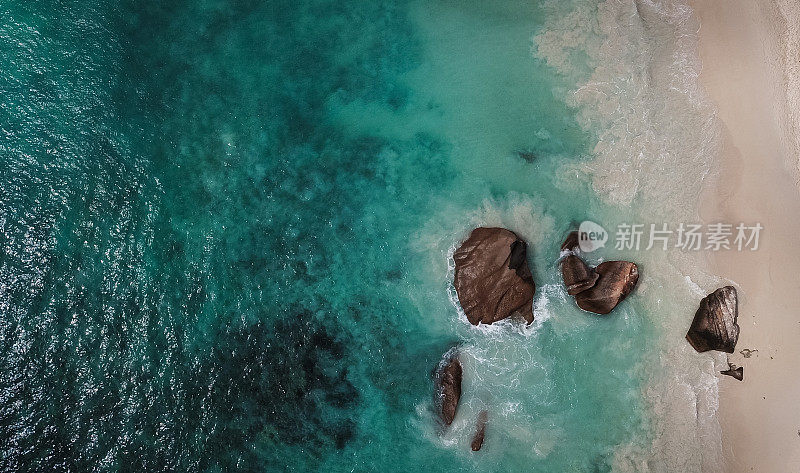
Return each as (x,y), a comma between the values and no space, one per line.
(226,230)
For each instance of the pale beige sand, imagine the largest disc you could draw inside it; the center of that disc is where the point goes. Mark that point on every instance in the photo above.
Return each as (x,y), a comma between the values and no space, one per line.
(750,69)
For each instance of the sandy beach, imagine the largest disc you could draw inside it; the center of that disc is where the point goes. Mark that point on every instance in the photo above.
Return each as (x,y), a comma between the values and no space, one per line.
(751,75)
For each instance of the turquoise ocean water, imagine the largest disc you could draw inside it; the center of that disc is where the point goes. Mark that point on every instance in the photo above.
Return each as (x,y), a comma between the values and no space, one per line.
(225,238)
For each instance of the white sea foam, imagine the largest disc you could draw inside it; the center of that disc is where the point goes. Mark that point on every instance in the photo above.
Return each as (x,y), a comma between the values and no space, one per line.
(641,98)
(503,365)
(657,136)
(634,66)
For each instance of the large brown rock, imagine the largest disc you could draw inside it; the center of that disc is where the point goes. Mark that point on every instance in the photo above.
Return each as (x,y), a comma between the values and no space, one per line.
(492,278)
(447,383)
(714,326)
(480,430)
(616,280)
(578,276)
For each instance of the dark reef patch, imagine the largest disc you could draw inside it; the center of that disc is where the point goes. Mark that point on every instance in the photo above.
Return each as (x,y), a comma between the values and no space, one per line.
(287,381)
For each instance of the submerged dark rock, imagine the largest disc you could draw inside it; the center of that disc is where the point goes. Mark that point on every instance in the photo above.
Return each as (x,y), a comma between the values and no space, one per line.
(480,430)
(734,371)
(527,155)
(616,280)
(577,275)
(492,278)
(447,383)
(714,326)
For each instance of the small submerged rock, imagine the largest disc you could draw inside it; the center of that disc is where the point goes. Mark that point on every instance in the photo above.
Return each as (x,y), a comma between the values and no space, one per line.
(492,278)
(734,371)
(447,384)
(714,326)
(528,155)
(480,430)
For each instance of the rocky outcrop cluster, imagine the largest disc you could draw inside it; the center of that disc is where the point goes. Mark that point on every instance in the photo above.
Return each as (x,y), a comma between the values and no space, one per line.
(598,289)
(493,282)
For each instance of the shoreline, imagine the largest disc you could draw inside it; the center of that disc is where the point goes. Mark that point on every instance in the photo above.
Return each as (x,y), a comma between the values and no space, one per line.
(746,73)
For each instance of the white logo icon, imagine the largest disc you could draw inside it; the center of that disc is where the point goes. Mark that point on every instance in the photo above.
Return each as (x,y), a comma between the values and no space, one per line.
(591,236)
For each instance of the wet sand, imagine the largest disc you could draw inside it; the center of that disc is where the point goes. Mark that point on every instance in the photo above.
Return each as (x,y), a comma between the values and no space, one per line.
(751,75)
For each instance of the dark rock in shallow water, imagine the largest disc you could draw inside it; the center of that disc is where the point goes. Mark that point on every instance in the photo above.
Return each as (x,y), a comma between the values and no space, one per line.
(528,156)
(492,278)
(480,430)
(714,326)
(616,280)
(734,371)
(578,276)
(447,382)
(596,290)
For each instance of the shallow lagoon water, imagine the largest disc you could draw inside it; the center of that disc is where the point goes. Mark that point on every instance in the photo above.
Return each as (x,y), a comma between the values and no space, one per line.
(227,229)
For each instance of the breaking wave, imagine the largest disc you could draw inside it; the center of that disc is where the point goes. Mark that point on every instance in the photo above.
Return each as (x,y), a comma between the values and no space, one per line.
(635,68)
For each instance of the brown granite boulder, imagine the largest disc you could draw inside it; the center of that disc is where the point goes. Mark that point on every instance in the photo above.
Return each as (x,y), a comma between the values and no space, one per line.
(714,326)
(734,371)
(492,278)
(447,383)
(578,276)
(616,280)
(480,430)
